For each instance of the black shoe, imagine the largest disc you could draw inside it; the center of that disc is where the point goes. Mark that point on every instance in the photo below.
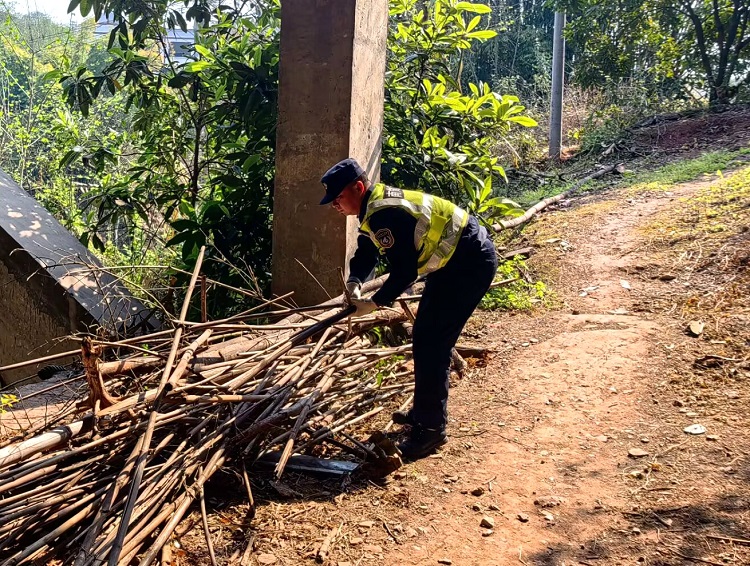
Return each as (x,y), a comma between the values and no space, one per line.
(422,442)
(403,418)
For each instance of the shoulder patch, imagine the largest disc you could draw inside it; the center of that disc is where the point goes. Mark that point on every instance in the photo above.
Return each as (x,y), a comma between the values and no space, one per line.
(385,238)
(390,192)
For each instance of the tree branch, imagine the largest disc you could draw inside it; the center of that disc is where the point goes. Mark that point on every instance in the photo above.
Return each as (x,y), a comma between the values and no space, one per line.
(701,39)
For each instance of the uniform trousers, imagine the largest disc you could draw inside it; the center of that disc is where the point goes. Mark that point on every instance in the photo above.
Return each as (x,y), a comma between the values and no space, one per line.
(449,298)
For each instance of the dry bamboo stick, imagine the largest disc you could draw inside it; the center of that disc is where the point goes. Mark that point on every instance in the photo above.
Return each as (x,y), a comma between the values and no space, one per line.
(541,205)
(206,531)
(106,507)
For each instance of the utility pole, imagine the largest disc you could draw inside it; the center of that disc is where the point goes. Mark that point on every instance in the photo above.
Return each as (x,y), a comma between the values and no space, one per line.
(558,79)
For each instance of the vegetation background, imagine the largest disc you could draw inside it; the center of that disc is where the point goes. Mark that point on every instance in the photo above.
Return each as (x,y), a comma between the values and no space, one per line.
(146,155)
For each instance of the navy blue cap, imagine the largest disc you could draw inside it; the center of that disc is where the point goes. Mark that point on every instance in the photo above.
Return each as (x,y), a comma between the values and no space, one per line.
(338,177)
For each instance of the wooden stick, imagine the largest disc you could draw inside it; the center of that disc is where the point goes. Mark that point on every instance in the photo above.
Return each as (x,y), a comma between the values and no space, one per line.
(541,205)
(142,457)
(742,541)
(325,546)
(209,542)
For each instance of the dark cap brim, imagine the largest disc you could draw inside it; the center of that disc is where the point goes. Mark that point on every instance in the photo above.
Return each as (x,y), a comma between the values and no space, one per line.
(328,199)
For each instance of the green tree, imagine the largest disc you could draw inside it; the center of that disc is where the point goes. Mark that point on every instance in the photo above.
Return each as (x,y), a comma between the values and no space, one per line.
(201,167)
(438,138)
(703,45)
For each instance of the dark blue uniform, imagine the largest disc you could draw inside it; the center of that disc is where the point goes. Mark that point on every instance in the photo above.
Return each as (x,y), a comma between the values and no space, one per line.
(450,296)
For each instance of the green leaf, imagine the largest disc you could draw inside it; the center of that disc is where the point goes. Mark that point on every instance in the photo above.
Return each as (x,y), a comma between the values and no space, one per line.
(197,66)
(85,7)
(483,34)
(73,5)
(524,121)
(203,51)
(474,8)
(184,224)
(474,23)
(52,76)
(178,238)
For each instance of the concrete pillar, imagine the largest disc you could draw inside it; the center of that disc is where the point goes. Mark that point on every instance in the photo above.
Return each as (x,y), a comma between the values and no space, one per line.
(330,107)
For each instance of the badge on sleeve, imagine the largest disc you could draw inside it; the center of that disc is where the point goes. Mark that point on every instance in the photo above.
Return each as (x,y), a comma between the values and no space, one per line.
(384,238)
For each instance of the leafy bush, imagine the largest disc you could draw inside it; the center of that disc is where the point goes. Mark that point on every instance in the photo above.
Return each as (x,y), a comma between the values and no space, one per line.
(438,138)
(176,156)
(6,401)
(518,295)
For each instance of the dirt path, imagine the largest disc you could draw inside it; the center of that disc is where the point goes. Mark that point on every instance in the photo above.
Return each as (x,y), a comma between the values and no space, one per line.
(540,438)
(554,420)
(544,432)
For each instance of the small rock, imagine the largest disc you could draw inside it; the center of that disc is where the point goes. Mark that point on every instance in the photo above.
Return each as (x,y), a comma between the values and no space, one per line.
(602,438)
(625,284)
(354,541)
(373,548)
(613,389)
(695,429)
(637,453)
(446,490)
(678,403)
(523,517)
(487,522)
(476,507)
(366,524)
(451,479)
(533,340)
(266,559)
(712,437)
(411,532)
(696,327)
(422,530)
(636,531)
(399,475)
(549,501)
(667,277)
(447,561)
(487,532)
(525,344)
(477,491)
(464,429)
(645,440)
(493,507)
(548,516)
(733,395)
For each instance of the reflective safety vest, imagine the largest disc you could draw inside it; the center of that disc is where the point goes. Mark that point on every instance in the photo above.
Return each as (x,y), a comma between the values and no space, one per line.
(439,224)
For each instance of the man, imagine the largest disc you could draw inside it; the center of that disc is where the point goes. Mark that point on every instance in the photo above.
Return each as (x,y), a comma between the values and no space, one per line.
(421,236)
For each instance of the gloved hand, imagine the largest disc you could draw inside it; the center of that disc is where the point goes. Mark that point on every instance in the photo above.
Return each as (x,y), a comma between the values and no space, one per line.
(354,289)
(364,306)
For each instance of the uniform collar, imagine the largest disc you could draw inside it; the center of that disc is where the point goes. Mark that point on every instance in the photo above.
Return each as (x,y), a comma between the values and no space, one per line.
(363,206)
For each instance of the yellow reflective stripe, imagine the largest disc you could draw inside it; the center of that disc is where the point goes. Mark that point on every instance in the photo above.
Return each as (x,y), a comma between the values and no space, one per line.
(448,244)
(385,202)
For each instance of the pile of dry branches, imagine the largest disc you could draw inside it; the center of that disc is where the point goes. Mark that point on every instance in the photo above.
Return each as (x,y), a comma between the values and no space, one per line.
(112,479)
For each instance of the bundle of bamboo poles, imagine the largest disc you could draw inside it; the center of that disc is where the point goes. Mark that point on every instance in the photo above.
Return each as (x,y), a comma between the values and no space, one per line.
(110,480)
